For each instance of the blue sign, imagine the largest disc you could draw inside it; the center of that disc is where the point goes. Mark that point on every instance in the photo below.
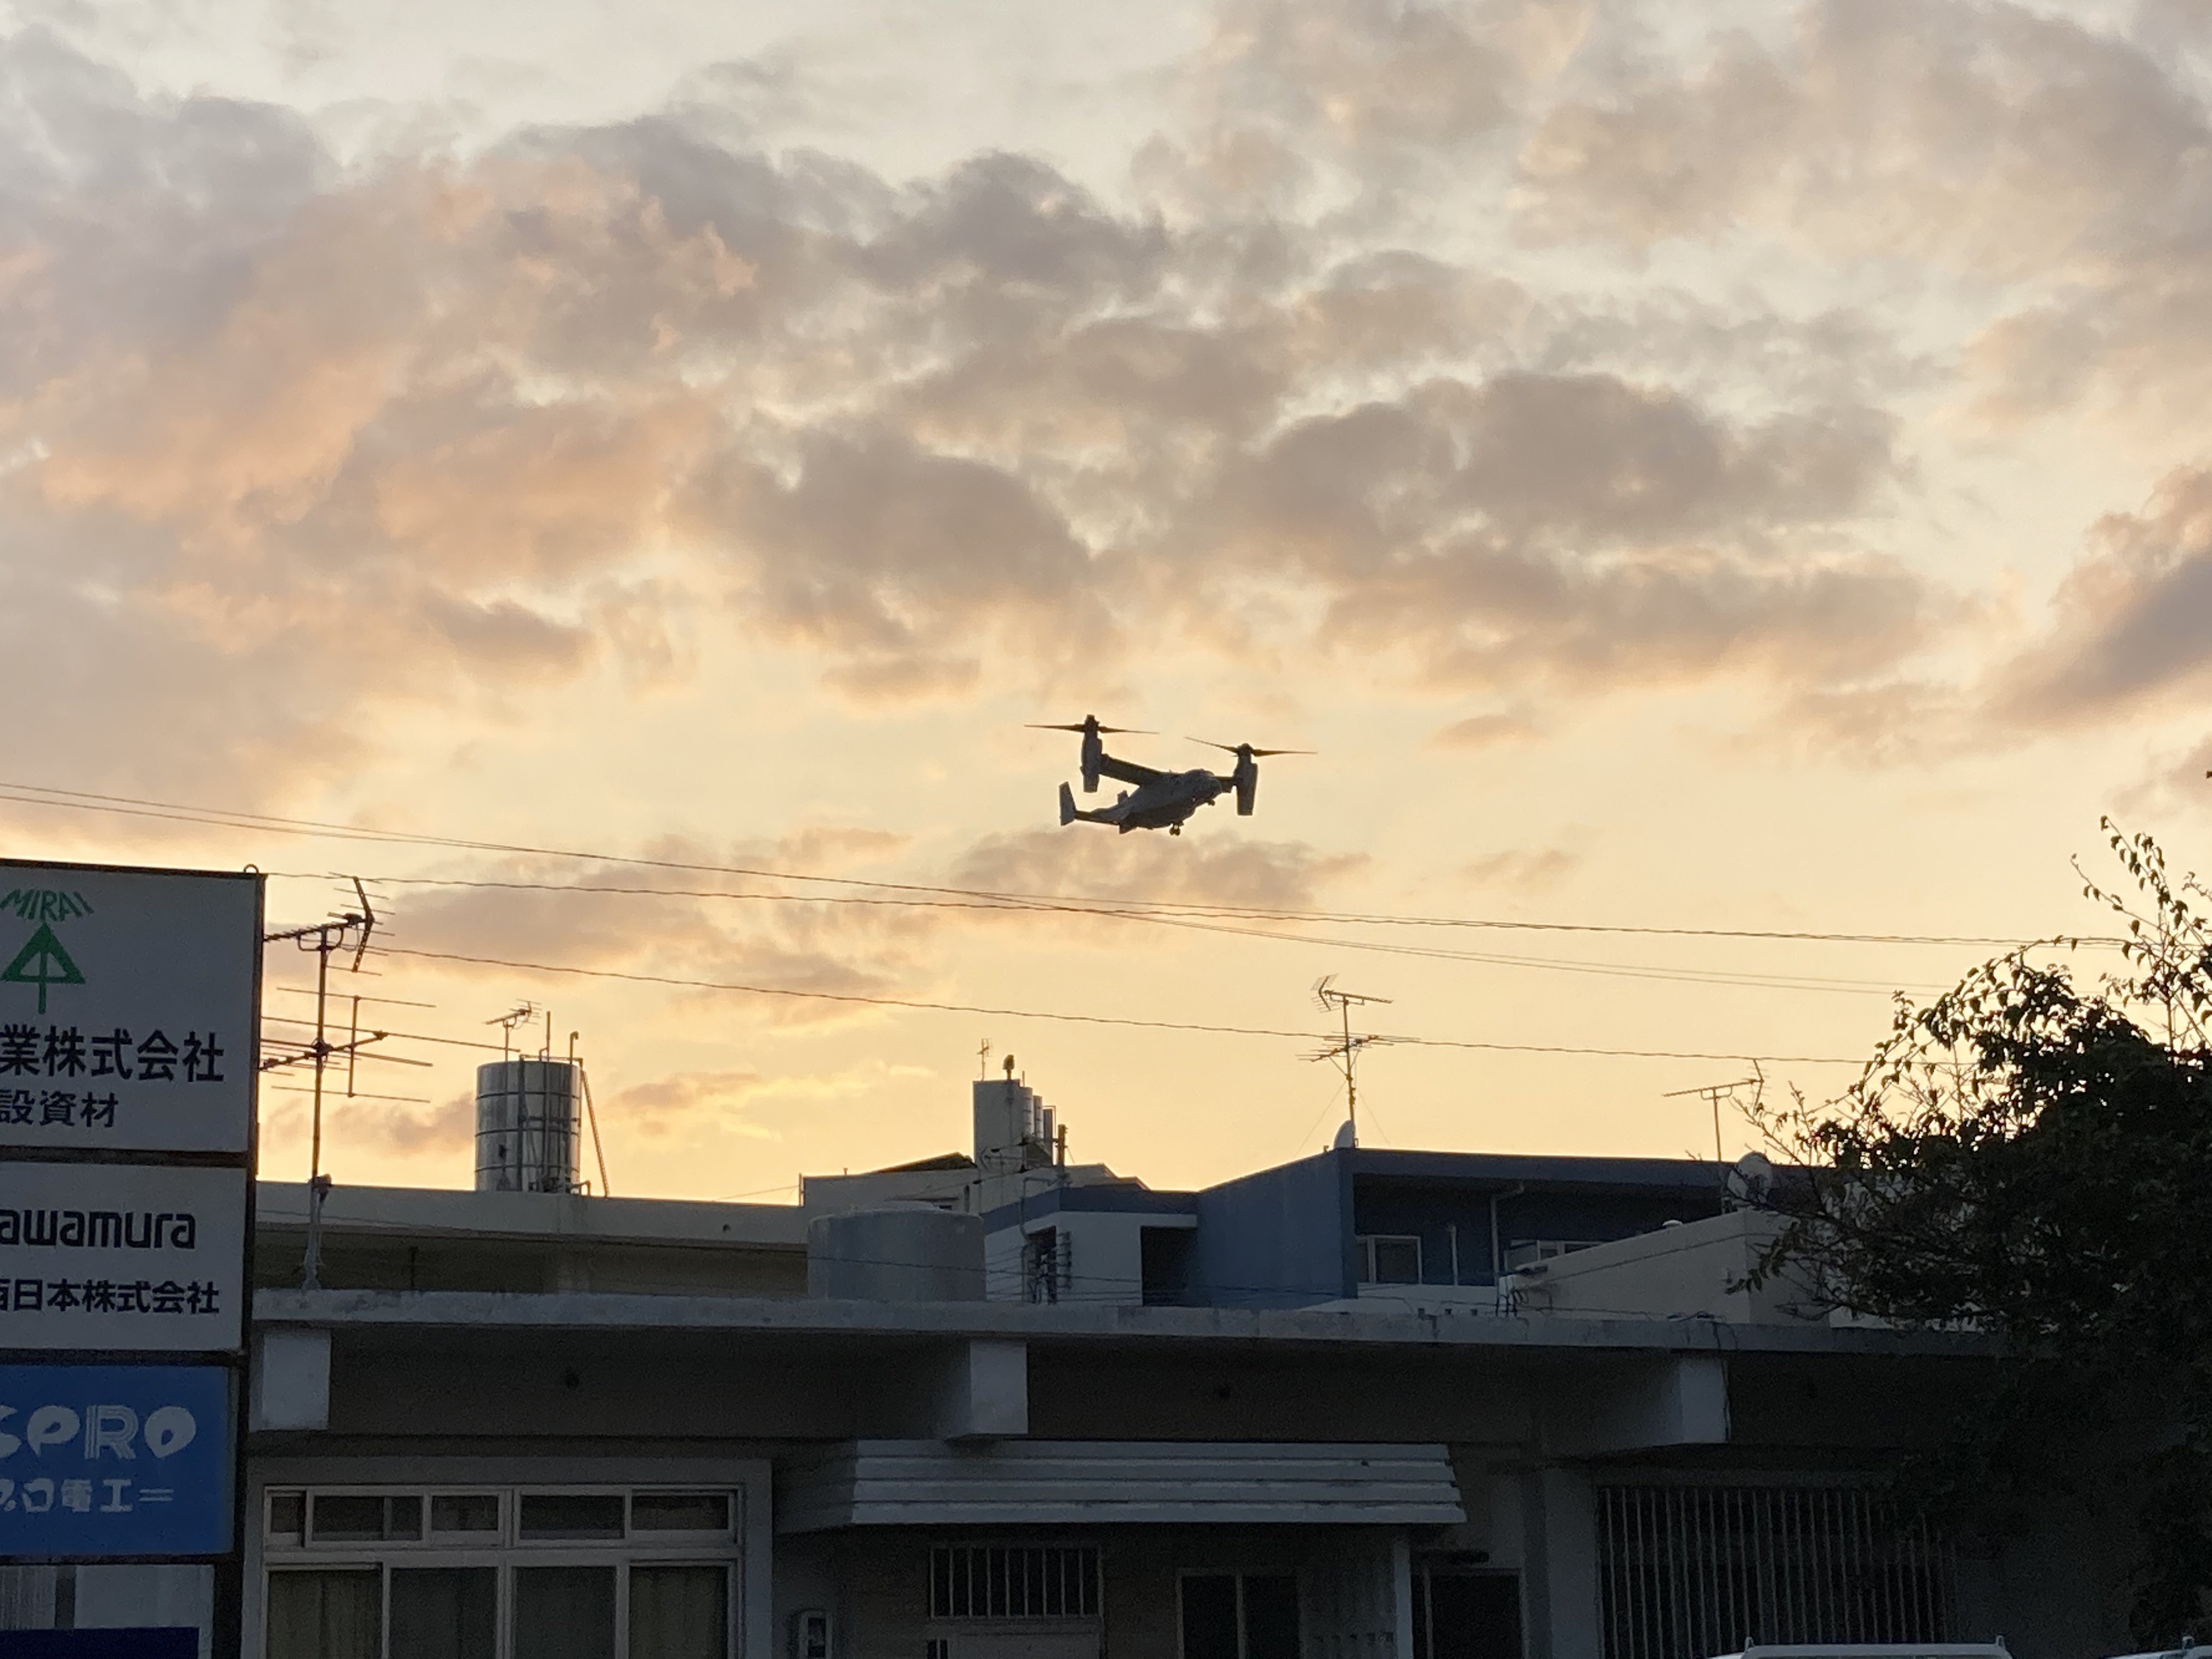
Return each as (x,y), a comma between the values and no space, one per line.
(101,1461)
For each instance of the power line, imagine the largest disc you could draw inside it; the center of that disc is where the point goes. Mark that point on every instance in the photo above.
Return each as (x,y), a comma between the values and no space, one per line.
(1194,922)
(44,795)
(858,999)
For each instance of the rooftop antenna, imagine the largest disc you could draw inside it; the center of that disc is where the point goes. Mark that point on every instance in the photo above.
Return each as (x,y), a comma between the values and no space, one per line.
(343,928)
(1344,1052)
(1715,1093)
(514,1017)
(983,1059)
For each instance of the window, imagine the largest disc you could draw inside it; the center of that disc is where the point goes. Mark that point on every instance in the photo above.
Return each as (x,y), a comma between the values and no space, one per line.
(571,1515)
(444,1612)
(1706,1569)
(465,1515)
(1389,1259)
(328,1615)
(1009,1581)
(350,1518)
(1239,1616)
(578,1574)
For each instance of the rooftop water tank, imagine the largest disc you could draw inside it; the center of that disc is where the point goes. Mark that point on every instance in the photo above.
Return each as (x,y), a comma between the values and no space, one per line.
(527,1113)
(898,1252)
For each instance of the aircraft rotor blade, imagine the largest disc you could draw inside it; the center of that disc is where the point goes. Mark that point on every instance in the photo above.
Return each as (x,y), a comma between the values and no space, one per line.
(1133,731)
(1247,749)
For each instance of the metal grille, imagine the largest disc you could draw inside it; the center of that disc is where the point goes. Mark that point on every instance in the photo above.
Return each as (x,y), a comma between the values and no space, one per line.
(1013,1581)
(1685,1571)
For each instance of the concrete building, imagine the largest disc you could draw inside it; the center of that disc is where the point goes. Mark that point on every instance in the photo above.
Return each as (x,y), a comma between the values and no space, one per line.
(1399,1405)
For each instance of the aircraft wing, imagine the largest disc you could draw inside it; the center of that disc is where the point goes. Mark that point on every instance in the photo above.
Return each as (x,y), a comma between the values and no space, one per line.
(1127,771)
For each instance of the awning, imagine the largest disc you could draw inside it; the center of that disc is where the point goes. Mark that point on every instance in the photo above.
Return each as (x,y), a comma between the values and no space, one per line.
(911,1483)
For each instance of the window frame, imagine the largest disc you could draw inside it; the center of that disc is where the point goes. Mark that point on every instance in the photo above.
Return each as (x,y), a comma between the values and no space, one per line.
(507,1550)
(1237,1576)
(1367,1242)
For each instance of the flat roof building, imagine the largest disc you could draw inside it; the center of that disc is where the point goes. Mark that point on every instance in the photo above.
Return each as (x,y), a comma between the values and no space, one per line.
(1415,1406)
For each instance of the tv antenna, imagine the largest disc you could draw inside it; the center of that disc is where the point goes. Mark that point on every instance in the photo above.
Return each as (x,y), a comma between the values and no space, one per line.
(514,1017)
(1715,1093)
(344,930)
(1344,1052)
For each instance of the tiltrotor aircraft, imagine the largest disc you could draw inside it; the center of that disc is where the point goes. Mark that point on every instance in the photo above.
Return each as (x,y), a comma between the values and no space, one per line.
(1161,800)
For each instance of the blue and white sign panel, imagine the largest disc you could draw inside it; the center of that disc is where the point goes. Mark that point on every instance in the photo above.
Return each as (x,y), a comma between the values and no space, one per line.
(102,1461)
(126,1008)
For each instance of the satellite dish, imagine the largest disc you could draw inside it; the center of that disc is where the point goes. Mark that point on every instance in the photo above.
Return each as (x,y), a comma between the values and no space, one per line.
(1751,1179)
(1346,1138)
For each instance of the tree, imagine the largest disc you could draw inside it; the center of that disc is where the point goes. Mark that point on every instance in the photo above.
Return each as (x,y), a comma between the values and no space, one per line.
(2031,1157)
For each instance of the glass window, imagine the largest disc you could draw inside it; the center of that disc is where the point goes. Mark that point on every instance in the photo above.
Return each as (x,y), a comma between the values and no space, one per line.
(679,1612)
(326,1615)
(287,1518)
(564,1612)
(518,1574)
(465,1512)
(572,1515)
(350,1518)
(1227,1616)
(680,1511)
(403,1516)
(1397,1260)
(444,1612)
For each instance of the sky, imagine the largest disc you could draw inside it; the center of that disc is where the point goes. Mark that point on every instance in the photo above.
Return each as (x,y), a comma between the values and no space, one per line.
(620,480)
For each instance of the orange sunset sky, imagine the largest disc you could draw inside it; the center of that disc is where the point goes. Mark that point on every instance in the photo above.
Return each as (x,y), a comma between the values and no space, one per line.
(1729,468)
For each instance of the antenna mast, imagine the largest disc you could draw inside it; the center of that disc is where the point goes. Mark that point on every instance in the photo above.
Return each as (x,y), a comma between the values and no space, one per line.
(1715,1093)
(344,930)
(1344,1052)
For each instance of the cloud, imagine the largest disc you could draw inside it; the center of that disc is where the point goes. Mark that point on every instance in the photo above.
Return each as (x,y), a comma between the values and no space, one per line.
(290,445)
(1487,730)
(1217,870)
(1531,870)
(622,918)
(2132,624)
(2047,175)
(733,1102)
(409,1130)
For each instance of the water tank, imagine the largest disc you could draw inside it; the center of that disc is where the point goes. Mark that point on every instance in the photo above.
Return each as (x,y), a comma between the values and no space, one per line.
(527,1114)
(897,1253)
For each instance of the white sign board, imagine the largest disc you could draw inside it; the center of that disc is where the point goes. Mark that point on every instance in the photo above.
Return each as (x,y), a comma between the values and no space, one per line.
(133,1257)
(127,1008)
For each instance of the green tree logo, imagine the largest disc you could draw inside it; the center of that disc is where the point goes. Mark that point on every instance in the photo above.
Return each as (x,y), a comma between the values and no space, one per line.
(42,961)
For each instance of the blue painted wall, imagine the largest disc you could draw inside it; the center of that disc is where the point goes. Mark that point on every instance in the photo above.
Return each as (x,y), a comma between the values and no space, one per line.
(1279,1238)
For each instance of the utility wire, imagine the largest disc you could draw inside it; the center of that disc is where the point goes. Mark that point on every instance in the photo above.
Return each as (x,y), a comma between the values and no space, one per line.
(856,998)
(1197,923)
(44,795)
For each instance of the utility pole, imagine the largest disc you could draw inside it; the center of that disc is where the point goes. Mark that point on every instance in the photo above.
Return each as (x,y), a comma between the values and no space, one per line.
(351,928)
(1344,1052)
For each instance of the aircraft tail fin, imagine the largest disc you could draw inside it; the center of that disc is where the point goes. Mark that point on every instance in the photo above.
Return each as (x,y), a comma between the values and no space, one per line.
(1067,805)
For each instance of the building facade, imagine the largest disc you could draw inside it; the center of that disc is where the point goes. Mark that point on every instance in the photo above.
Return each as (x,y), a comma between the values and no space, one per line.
(1398,1406)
